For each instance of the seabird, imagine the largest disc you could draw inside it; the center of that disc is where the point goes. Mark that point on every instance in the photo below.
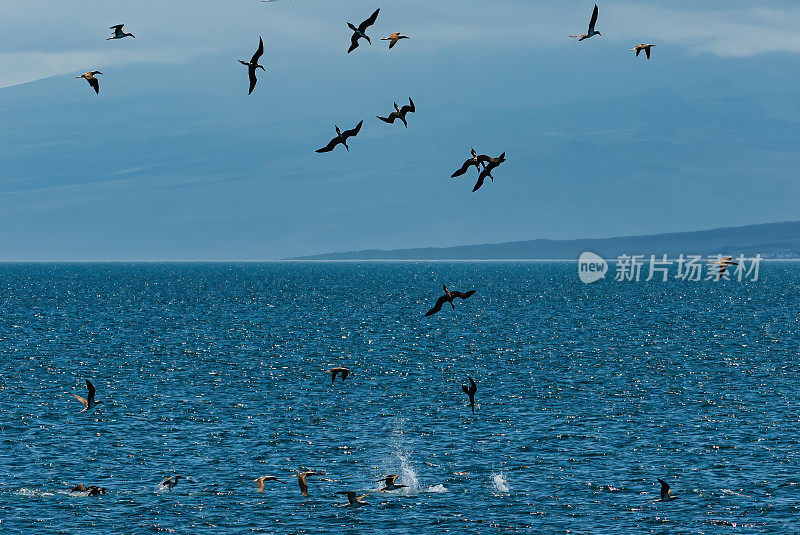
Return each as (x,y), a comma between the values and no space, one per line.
(91,490)
(399,113)
(475,160)
(389,483)
(341,137)
(94,82)
(260,482)
(359,32)
(394,37)
(666,494)
(252,65)
(723,263)
(448,297)
(470,391)
(641,46)
(170,482)
(119,33)
(88,403)
(335,371)
(353,500)
(487,170)
(301,480)
(592,32)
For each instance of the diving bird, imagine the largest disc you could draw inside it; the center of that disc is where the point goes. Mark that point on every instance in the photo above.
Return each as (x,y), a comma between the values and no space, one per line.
(352,499)
(475,160)
(89,403)
(91,490)
(252,65)
(119,32)
(261,480)
(592,32)
(341,137)
(389,483)
(470,391)
(487,170)
(723,264)
(335,371)
(170,482)
(666,494)
(641,46)
(301,480)
(448,297)
(94,82)
(359,32)
(399,113)
(394,37)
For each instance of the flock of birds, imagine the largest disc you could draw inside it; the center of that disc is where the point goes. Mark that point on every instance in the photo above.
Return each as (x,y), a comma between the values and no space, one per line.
(484,165)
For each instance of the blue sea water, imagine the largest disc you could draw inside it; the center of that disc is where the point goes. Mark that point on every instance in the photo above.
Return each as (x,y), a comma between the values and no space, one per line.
(217,372)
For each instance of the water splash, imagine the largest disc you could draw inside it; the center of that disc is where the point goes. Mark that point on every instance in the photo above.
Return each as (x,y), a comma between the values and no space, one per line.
(436,488)
(500,483)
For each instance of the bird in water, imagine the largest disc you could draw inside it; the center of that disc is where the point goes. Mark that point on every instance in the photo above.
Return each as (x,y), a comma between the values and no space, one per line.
(592,32)
(723,264)
(487,170)
(170,482)
(389,483)
(94,82)
(393,38)
(641,46)
(358,33)
(301,480)
(341,137)
(336,371)
(399,113)
(666,494)
(260,482)
(352,499)
(470,391)
(88,403)
(91,490)
(119,32)
(448,297)
(252,65)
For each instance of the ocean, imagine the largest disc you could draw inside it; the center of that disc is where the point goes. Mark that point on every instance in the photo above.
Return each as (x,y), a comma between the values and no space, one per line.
(587,393)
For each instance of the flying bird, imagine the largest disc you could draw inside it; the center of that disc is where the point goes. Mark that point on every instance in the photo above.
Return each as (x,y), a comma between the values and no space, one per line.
(487,170)
(341,137)
(666,494)
(641,46)
(470,391)
(261,480)
(393,38)
(448,297)
(335,371)
(352,499)
(359,32)
(89,403)
(592,32)
(723,264)
(301,480)
(389,483)
(475,160)
(94,82)
(119,33)
(252,65)
(170,482)
(399,113)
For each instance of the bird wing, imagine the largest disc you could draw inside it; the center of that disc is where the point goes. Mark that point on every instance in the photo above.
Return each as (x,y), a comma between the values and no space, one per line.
(389,119)
(116,27)
(463,168)
(464,295)
(594,19)
(647,51)
(301,480)
(251,71)
(369,22)
(664,489)
(259,52)
(393,41)
(479,183)
(410,106)
(353,42)
(91,389)
(472,386)
(344,374)
(353,131)
(637,51)
(95,83)
(438,306)
(329,147)
(76,396)
(351,496)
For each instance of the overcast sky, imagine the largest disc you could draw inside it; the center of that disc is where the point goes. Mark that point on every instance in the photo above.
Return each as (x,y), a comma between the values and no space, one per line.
(174,161)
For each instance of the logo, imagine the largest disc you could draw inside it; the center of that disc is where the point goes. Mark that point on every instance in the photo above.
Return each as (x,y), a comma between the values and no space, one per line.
(591,268)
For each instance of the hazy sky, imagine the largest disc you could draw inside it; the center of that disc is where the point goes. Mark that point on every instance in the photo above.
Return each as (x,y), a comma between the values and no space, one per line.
(174,161)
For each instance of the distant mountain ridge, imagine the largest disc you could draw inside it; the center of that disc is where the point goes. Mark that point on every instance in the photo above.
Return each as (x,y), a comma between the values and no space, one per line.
(770,240)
